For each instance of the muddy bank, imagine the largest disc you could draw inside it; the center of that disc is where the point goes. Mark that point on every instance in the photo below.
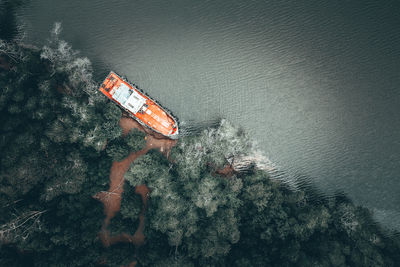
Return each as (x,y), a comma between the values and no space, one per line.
(127,124)
(153,140)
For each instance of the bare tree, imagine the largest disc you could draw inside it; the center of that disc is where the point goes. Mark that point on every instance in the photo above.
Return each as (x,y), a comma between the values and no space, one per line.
(21,226)
(11,50)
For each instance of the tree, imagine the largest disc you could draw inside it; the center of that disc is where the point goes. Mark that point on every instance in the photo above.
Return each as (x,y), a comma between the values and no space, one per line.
(59,140)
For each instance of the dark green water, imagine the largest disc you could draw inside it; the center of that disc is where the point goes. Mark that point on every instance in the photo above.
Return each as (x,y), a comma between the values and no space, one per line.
(316,82)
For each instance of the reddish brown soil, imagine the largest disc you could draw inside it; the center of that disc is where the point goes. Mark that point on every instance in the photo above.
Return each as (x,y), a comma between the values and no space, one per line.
(227,171)
(154,140)
(111,198)
(127,124)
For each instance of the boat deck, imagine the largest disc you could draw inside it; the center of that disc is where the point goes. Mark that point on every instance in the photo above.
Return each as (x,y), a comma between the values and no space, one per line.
(140,106)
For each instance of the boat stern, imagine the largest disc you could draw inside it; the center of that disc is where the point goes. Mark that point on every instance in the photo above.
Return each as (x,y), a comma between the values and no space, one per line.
(174,135)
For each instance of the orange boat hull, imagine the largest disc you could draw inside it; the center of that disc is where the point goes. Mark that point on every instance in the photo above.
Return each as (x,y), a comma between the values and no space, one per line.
(139,106)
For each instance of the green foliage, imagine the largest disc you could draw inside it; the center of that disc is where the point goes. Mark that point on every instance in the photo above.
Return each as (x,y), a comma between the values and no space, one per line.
(197,211)
(127,220)
(248,219)
(216,146)
(131,203)
(119,148)
(148,168)
(135,140)
(53,136)
(59,138)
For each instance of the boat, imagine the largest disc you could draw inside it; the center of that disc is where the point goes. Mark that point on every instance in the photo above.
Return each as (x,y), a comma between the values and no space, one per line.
(139,105)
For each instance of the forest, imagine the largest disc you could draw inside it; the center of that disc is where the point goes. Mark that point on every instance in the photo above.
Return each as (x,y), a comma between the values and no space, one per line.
(59,139)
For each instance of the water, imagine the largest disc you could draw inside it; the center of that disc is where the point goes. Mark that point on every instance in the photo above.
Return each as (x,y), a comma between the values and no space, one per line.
(315,82)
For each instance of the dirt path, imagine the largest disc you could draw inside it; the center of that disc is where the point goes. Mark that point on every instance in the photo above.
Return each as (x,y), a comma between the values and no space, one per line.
(111,198)
(138,237)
